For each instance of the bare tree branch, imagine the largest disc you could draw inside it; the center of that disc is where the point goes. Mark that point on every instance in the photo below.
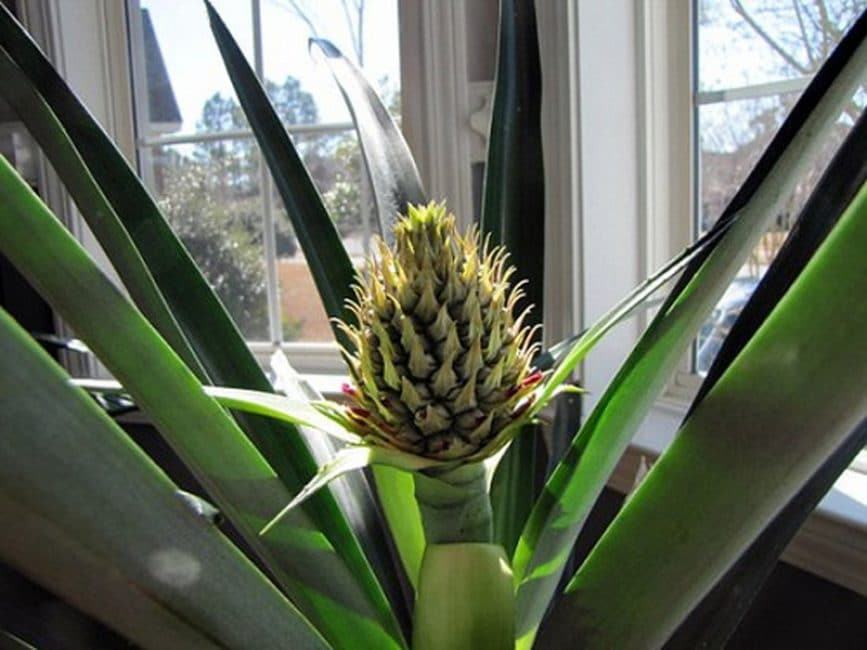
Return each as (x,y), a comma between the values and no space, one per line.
(743,13)
(797,6)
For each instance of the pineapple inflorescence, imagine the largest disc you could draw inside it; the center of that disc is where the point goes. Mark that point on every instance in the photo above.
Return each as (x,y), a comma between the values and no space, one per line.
(441,366)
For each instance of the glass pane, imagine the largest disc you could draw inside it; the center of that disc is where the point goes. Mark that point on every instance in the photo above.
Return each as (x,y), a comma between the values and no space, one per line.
(334,161)
(185,83)
(743,43)
(366,32)
(747,43)
(210,193)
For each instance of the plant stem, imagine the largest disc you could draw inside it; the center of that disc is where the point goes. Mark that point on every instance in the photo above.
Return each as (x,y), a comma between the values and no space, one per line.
(455,505)
(466,599)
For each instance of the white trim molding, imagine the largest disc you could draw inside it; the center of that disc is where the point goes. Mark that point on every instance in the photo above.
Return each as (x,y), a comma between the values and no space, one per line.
(436,110)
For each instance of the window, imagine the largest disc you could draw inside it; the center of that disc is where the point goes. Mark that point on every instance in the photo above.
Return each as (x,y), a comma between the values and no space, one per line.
(198,156)
(751,61)
(427,58)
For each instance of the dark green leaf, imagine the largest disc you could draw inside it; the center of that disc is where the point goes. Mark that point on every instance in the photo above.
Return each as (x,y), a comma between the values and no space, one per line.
(513,209)
(717,616)
(205,323)
(212,334)
(713,621)
(97,211)
(390,164)
(513,214)
(334,275)
(235,475)
(515,486)
(807,103)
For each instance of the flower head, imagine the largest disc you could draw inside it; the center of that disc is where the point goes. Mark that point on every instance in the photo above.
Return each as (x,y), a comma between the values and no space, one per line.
(441,366)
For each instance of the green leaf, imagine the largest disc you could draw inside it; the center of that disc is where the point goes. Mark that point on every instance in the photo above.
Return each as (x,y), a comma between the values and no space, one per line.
(11,642)
(810,98)
(282,408)
(513,207)
(334,275)
(714,620)
(389,162)
(43,125)
(329,263)
(513,210)
(212,334)
(195,307)
(570,493)
(349,459)
(568,353)
(395,490)
(515,487)
(783,407)
(96,521)
(240,481)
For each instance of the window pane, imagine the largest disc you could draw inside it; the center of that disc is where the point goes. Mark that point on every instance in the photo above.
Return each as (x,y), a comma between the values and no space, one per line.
(210,193)
(184,81)
(751,44)
(209,180)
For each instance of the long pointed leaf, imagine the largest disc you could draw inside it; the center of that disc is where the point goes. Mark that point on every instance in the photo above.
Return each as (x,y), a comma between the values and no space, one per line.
(214,337)
(283,408)
(184,289)
(240,481)
(514,196)
(77,484)
(515,486)
(785,404)
(513,210)
(714,620)
(564,505)
(390,165)
(794,122)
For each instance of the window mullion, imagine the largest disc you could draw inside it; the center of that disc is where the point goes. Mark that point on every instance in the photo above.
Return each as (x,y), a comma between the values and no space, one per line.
(269,242)
(240,134)
(754,91)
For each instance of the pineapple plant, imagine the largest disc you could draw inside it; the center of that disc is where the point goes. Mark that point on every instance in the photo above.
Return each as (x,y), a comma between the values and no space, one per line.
(446,372)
